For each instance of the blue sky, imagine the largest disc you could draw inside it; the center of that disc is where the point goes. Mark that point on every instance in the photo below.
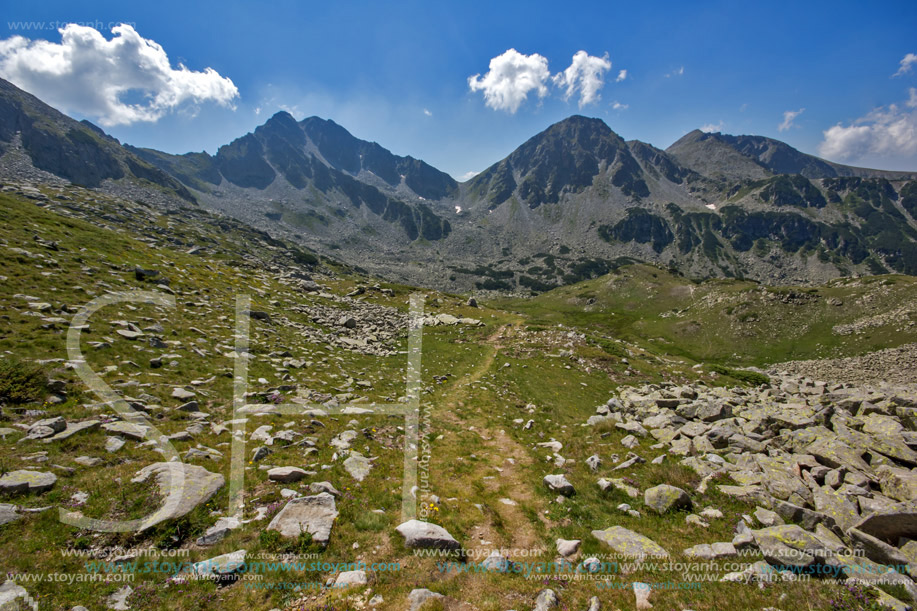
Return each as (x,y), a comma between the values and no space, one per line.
(397,73)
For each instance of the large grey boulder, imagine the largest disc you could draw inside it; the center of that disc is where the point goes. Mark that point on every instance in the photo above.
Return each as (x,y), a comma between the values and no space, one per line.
(118,600)
(665,498)
(424,535)
(790,546)
(312,514)
(192,484)
(23,482)
(46,428)
(349,579)
(891,524)
(899,484)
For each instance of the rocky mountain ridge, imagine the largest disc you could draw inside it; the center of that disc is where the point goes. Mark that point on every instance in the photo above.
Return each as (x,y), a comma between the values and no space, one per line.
(571,203)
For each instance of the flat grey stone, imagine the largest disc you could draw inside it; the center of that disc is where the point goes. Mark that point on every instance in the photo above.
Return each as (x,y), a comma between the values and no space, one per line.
(358,466)
(286,475)
(312,514)
(24,481)
(629,543)
(73,428)
(193,484)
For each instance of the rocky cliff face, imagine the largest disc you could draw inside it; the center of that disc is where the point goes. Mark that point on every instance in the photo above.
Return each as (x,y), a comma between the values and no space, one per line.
(77,151)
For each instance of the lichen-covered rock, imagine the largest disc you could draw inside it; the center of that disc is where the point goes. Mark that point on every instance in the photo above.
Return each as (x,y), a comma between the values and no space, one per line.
(629,543)
(665,498)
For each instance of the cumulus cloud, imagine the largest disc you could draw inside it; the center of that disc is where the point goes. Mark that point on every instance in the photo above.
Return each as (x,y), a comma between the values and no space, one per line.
(427,112)
(905,64)
(886,131)
(619,106)
(117,82)
(621,76)
(586,75)
(710,128)
(468,176)
(677,72)
(788,117)
(510,79)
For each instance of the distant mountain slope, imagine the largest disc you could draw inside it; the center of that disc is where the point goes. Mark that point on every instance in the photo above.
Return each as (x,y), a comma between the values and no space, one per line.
(316,164)
(753,157)
(77,151)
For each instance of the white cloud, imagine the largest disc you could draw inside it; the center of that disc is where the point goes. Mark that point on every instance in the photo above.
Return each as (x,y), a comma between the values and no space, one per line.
(621,76)
(905,64)
(468,176)
(885,132)
(586,74)
(788,117)
(619,106)
(510,78)
(677,72)
(709,128)
(427,112)
(117,82)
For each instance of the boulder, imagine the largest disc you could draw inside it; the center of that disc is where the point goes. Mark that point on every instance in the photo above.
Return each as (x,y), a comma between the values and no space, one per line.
(424,535)
(559,484)
(790,546)
(23,482)
(665,498)
(349,579)
(219,566)
(358,466)
(418,597)
(194,484)
(629,543)
(286,475)
(312,514)
(899,484)
(567,547)
(545,600)
(8,513)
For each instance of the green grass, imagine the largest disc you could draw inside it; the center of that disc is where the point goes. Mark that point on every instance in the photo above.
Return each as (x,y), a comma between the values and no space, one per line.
(551,359)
